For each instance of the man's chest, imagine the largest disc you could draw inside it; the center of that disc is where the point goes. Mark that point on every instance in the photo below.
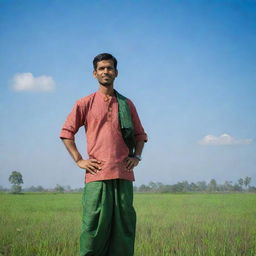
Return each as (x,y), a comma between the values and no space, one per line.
(103,113)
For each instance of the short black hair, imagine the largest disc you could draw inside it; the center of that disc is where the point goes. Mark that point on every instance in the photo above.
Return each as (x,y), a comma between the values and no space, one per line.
(104,56)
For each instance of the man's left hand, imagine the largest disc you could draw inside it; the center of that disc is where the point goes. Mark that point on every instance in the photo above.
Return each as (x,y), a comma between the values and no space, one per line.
(131,162)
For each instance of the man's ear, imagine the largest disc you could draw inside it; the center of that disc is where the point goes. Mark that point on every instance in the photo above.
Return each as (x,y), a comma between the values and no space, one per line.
(94,73)
(116,72)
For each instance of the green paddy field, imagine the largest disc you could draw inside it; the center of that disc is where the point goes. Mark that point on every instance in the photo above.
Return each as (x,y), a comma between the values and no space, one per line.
(41,224)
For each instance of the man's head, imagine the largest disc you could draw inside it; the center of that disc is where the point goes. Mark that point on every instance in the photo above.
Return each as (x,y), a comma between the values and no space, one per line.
(104,56)
(105,69)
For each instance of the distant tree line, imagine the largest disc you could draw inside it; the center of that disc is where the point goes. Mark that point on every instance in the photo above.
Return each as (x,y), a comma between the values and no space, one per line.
(16,180)
(57,189)
(241,185)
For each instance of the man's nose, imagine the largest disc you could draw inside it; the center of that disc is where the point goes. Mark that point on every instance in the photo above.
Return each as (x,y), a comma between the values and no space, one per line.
(105,70)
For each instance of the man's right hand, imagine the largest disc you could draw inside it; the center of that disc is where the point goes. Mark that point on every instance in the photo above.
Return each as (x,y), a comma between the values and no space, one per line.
(91,165)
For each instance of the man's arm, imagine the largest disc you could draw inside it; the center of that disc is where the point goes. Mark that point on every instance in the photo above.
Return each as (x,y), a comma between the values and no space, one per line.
(132,162)
(74,121)
(139,147)
(139,135)
(91,165)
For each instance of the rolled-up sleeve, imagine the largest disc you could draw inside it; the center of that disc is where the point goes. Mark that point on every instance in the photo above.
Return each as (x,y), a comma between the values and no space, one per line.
(73,122)
(139,132)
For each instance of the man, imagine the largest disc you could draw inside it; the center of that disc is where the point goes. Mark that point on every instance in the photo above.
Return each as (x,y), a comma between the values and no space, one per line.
(115,140)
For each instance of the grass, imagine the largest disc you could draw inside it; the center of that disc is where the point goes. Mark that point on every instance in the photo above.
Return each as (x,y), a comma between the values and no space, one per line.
(167,224)
(196,224)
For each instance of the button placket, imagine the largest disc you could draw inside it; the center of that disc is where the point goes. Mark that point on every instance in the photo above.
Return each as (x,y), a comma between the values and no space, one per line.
(109,108)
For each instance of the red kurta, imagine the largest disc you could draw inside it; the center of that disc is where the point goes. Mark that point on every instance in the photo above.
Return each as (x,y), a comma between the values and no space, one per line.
(99,115)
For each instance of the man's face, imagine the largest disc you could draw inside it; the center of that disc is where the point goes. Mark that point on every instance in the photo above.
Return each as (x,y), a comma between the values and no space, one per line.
(105,72)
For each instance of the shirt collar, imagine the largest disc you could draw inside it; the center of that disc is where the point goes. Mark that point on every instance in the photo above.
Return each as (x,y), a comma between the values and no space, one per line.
(105,97)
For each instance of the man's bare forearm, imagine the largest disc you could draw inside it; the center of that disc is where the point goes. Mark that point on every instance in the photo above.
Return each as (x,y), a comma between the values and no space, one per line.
(72,149)
(91,165)
(132,162)
(139,147)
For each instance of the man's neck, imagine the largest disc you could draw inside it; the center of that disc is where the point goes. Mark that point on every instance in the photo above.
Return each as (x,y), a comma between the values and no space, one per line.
(107,90)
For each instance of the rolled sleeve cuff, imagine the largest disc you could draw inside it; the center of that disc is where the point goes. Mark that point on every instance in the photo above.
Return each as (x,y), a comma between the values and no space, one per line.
(141,137)
(65,134)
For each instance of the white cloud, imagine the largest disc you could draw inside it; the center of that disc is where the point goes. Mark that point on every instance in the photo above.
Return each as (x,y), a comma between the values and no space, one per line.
(27,82)
(224,139)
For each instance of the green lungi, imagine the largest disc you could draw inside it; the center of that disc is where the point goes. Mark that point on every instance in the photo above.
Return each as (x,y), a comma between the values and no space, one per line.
(109,219)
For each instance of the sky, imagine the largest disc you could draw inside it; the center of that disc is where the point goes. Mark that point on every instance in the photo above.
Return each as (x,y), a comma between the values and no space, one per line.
(188,66)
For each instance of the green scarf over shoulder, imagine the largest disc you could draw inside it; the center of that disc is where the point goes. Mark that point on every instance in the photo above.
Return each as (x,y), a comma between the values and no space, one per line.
(126,124)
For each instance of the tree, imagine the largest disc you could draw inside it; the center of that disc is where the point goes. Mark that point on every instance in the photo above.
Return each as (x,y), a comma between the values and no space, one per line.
(228,186)
(212,186)
(135,189)
(16,179)
(153,186)
(31,189)
(241,182)
(237,187)
(252,189)
(59,188)
(67,188)
(247,181)
(39,188)
(202,186)
(182,186)
(144,188)
(193,187)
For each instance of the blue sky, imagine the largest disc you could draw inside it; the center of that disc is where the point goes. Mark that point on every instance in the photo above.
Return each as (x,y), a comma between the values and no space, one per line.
(189,67)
